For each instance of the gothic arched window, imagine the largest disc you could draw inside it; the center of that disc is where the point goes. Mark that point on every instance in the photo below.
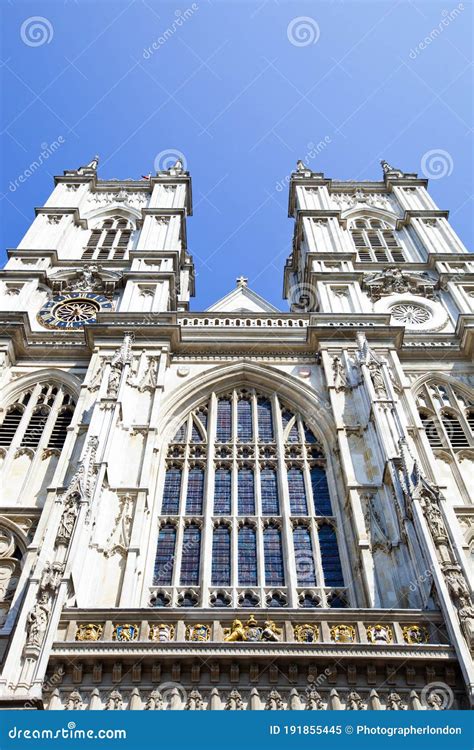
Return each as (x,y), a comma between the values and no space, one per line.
(109,241)
(38,418)
(447,417)
(375,242)
(246,520)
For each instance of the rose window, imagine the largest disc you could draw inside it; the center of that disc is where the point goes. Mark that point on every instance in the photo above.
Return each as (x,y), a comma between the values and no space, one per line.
(410,314)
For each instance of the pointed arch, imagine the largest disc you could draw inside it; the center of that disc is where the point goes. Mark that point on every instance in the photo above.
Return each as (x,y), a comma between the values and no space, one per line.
(233,490)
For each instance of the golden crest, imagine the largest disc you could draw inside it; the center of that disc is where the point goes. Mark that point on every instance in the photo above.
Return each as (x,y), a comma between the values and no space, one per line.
(89,632)
(343,633)
(380,634)
(198,632)
(306,633)
(162,632)
(415,634)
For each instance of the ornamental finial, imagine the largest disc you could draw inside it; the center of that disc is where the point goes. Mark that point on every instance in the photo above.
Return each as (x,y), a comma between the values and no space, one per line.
(242,281)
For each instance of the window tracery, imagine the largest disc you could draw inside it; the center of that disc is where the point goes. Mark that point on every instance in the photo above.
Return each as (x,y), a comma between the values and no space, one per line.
(109,241)
(248,521)
(447,416)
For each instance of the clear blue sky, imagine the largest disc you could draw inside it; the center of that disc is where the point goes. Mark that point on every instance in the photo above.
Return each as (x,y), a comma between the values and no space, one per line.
(241,89)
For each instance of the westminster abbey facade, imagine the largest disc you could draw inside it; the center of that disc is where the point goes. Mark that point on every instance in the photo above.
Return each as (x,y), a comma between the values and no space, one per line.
(241,508)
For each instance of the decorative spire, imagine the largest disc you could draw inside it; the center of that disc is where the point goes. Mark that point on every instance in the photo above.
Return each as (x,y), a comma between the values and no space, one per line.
(242,281)
(301,166)
(388,169)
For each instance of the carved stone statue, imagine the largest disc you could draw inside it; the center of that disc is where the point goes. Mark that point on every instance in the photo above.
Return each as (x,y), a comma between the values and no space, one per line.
(466,619)
(74,702)
(114,702)
(313,699)
(194,702)
(234,702)
(340,377)
(377,378)
(354,702)
(455,582)
(66,524)
(114,380)
(435,521)
(37,620)
(394,702)
(154,702)
(274,701)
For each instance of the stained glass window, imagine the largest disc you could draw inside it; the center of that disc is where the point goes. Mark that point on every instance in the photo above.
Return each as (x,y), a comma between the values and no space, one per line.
(222,492)
(247,557)
(304,560)
(251,464)
(244,420)
(190,556)
(297,492)
(330,556)
(171,491)
(269,490)
(274,572)
(319,485)
(195,493)
(265,420)
(221,557)
(224,421)
(164,562)
(246,492)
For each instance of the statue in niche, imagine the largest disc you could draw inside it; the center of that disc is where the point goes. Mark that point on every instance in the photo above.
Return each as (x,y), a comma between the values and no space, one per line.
(37,620)
(68,519)
(377,378)
(340,377)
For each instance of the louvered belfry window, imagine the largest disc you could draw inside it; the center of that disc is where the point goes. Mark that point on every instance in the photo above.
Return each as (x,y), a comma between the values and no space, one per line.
(447,416)
(110,241)
(376,242)
(38,418)
(246,492)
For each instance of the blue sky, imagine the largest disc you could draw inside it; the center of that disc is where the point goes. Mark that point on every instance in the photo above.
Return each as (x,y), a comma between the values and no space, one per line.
(241,89)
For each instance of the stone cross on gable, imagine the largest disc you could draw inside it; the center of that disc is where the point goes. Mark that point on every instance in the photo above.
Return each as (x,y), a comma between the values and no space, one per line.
(242,281)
